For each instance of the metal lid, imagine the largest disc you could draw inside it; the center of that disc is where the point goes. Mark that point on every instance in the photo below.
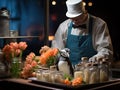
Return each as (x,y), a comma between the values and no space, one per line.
(4,12)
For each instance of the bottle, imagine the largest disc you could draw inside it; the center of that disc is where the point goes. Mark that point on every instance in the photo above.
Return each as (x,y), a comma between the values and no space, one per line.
(104,71)
(84,61)
(87,73)
(4,22)
(78,72)
(95,74)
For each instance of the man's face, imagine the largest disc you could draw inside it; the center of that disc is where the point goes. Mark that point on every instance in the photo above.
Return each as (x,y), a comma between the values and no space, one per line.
(80,19)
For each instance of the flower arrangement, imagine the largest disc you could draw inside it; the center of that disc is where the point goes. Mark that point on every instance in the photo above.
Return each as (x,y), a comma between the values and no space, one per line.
(13,50)
(13,54)
(48,56)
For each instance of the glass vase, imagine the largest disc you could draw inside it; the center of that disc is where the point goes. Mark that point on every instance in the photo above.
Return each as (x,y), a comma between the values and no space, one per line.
(16,67)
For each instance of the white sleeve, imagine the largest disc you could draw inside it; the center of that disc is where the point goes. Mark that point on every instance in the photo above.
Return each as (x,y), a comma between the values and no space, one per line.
(58,40)
(102,41)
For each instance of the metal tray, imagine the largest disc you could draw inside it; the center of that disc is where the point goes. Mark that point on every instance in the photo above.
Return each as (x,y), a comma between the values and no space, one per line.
(63,86)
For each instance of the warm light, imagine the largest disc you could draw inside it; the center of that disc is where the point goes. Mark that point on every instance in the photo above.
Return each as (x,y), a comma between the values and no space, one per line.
(53,2)
(50,38)
(90,4)
(84,3)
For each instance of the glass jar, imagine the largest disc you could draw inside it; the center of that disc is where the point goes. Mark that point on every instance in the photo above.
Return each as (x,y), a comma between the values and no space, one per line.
(79,67)
(46,75)
(38,74)
(87,73)
(95,74)
(59,76)
(52,76)
(78,72)
(104,71)
(16,67)
(84,60)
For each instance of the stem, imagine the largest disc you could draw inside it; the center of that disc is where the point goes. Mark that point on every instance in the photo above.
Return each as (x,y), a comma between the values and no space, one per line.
(21,54)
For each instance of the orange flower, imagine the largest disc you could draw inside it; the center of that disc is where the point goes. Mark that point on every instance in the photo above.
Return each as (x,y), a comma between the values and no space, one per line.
(50,52)
(14,49)
(14,45)
(22,45)
(67,81)
(45,56)
(29,66)
(76,81)
(55,51)
(34,63)
(17,52)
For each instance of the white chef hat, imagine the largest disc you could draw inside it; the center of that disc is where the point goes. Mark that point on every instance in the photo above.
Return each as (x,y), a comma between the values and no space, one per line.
(74,8)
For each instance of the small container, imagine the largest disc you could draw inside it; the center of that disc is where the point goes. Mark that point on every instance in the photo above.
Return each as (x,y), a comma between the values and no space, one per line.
(16,67)
(52,76)
(4,22)
(13,33)
(84,61)
(46,75)
(79,67)
(59,77)
(87,73)
(104,71)
(95,74)
(78,72)
(38,74)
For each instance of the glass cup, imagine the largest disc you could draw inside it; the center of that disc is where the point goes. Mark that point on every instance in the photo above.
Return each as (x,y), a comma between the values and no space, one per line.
(38,74)
(59,77)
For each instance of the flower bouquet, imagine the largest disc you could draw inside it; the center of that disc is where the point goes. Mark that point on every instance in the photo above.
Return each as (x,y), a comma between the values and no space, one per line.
(48,56)
(13,54)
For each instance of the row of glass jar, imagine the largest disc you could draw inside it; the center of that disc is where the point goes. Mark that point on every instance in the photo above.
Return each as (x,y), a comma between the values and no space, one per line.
(49,75)
(93,72)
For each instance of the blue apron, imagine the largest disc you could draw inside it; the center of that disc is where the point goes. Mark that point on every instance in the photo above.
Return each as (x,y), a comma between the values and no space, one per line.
(80,46)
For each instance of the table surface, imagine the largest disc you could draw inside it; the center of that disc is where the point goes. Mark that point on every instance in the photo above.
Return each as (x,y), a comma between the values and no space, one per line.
(21,83)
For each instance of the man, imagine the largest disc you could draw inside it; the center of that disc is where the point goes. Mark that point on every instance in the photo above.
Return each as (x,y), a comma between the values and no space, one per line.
(84,34)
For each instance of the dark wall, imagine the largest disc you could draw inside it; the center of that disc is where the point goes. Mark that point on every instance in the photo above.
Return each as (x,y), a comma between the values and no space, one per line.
(108,10)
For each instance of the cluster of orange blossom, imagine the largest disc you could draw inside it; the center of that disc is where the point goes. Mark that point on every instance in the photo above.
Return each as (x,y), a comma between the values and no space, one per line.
(74,82)
(14,49)
(30,64)
(32,61)
(48,56)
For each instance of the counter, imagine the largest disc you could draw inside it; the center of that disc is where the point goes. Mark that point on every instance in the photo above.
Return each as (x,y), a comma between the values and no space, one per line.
(25,84)
(22,84)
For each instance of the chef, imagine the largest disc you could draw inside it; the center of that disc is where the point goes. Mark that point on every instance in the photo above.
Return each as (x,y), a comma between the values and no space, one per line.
(84,34)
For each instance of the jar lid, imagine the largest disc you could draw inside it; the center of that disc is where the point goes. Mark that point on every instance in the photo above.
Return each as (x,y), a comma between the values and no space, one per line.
(4,12)
(84,58)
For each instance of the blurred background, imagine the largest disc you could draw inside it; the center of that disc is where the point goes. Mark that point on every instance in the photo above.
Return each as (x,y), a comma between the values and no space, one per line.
(42,17)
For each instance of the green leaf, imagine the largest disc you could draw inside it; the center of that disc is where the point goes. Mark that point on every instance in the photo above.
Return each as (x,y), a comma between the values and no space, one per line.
(68,76)
(51,61)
